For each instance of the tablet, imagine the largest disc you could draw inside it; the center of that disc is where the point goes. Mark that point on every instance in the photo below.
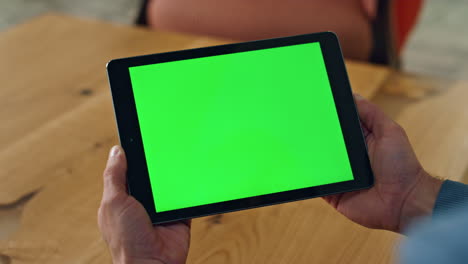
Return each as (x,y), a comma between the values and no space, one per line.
(231,127)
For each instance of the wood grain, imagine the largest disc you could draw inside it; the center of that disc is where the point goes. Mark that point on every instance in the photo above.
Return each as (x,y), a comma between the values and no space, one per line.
(59,126)
(301,232)
(61,74)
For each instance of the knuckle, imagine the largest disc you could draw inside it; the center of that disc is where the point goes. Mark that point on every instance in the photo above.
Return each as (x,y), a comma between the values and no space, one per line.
(110,202)
(111,182)
(396,128)
(108,173)
(108,180)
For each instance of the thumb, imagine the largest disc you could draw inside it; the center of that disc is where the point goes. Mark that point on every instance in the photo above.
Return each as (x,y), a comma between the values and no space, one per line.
(115,173)
(372,118)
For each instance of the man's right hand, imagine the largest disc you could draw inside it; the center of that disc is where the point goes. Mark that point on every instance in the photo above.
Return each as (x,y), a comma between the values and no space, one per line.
(403,190)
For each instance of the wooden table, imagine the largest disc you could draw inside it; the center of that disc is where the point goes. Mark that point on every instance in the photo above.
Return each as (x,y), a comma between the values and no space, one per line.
(57,126)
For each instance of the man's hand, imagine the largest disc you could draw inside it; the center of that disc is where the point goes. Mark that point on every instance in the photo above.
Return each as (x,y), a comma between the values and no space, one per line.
(127,228)
(402,192)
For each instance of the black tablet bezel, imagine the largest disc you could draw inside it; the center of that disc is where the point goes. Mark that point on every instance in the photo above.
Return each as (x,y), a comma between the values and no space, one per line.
(131,141)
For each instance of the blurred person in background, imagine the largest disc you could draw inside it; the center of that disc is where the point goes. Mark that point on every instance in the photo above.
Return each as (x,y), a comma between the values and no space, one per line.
(250,20)
(369,30)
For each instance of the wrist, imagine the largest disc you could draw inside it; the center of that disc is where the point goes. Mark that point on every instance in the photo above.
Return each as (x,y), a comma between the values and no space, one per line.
(421,199)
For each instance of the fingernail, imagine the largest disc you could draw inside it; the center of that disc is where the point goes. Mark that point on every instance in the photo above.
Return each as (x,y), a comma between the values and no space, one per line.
(114,151)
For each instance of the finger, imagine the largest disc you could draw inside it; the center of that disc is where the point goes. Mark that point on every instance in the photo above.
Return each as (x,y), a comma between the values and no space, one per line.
(115,173)
(332,200)
(373,119)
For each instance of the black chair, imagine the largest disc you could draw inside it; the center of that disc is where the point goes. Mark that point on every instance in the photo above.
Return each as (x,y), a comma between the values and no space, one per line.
(142,18)
(384,43)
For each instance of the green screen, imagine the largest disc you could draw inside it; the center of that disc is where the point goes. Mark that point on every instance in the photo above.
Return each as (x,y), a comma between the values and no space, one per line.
(238,125)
